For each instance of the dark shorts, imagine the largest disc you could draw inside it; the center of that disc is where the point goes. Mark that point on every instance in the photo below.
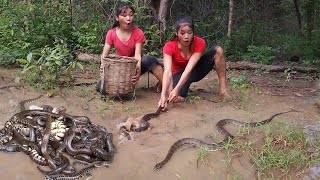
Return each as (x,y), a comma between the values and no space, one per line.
(147,63)
(203,67)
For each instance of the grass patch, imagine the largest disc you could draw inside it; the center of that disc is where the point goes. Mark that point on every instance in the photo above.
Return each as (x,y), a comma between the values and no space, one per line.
(285,150)
(202,154)
(85,92)
(130,108)
(239,90)
(193,98)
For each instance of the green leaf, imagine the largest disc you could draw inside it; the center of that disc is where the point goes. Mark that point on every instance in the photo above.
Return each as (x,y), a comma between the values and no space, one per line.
(53,52)
(58,63)
(29,57)
(27,68)
(22,61)
(80,65)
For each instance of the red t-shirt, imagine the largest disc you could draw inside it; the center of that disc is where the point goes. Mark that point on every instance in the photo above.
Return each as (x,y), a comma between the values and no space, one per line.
(179,63)
(125,48)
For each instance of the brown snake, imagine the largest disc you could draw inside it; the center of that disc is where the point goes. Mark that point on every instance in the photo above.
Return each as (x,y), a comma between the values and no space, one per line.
(21,106)
(213,146)
(144,123)
(144,120)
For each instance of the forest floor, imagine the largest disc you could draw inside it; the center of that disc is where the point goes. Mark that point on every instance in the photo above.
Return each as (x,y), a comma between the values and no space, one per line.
(265,95)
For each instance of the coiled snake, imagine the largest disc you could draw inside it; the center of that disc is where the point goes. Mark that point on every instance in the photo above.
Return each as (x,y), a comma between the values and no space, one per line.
(214,146)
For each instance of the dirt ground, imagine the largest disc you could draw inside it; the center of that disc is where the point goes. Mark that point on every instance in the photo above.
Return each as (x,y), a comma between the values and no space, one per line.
(269,93)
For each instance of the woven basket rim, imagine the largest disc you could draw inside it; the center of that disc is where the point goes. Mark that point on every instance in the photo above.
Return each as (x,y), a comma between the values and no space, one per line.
(116,58)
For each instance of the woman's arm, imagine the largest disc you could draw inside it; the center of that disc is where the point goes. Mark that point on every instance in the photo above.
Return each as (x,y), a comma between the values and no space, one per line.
(105,52)
(166,80)
(185,75)
(138,56)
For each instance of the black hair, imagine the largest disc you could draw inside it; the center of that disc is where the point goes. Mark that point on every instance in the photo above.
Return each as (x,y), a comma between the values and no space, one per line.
(183,20)
(119,8)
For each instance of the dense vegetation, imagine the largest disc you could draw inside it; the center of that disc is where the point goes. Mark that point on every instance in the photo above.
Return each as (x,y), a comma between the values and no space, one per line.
(263,31)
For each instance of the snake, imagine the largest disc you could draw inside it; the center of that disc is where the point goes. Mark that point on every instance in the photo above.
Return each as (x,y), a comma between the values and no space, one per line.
(44,144)
(14,148)
(110,145)
(84,172)
(89,151)
(213,146)
(20,118)
(63,165)
(184,141)
(69,137)
(33,132)
(144,121)
(21,105)
(227,135)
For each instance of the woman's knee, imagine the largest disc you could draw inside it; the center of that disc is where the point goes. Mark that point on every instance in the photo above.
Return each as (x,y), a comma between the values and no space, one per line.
(157,68)
(219,50)
(151,62)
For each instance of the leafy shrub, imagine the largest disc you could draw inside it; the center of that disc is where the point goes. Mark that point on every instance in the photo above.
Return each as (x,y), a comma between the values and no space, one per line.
(239,82)
(260,54)
(87,38)
(151,45)
(45,68)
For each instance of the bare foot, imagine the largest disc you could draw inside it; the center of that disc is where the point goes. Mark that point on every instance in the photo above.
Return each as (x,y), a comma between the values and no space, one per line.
(224,96)
(179,100)
(158,87)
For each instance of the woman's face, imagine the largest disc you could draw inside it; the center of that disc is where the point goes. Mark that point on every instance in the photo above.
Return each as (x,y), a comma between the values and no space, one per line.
(125,18)
(185,35)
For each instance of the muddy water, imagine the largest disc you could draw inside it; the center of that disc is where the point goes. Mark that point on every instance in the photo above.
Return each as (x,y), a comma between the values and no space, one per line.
(135,159)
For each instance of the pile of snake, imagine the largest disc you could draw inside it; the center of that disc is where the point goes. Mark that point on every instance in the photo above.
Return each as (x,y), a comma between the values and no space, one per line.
(49,137)
(214,146)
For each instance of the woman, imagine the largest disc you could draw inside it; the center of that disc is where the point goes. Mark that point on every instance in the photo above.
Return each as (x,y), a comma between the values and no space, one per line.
(185,64)
(128,41)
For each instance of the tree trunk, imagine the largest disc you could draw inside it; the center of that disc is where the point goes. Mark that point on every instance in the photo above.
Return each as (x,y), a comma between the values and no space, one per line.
(239,65)
(163,9)
(245,65)
(296,5)
(310,17)
(230,19)
(71,11)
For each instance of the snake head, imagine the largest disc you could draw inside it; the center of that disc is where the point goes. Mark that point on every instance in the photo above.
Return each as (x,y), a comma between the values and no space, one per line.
(157,167)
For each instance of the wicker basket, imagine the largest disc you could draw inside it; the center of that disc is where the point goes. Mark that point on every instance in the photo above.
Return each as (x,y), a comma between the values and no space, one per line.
(117,74)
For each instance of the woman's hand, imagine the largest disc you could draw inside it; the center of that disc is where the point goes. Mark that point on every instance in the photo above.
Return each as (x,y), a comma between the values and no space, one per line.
(173,95)
(136,78)
(163,102)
